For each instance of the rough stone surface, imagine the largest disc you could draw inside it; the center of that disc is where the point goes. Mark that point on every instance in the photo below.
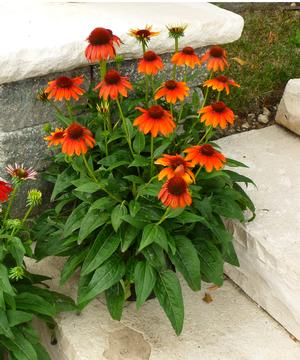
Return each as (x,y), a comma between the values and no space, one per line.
(288,113)
(269,246)
(52,41)
(231,327)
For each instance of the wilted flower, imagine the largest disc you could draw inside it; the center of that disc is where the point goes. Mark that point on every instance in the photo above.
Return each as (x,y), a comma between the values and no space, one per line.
(20,173)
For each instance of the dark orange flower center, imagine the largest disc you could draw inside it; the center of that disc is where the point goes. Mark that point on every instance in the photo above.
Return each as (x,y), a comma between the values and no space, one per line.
(207,150)
(188,50)
(150,55)
(222,78)
(100,36)
(112,77)
(176,186)
(64,82)
(175,162)
(156,112)
(218,106)
(20,173)
(75,131)
(58,135)
(171,84)
(216,51)
(144,33)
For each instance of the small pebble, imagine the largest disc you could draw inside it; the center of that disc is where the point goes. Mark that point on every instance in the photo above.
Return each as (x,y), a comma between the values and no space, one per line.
(251,116)
(245,126)
(263,119)
(266,111)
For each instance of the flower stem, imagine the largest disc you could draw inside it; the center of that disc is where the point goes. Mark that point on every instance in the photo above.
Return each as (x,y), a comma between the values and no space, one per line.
(151,150)
(197,172)
(176,51)
(11,200)
(69,107)
(218,96)
(182,103)
(102,69)
(26,215)
(163,218)
(125,126)
(204,136)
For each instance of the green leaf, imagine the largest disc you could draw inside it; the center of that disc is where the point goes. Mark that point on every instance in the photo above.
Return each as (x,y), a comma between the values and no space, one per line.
(4,281)
(149,189)
(22,348)
(102,248)
(188,217)
(225,206)
(154,254)
(144,279)
(104,203)
(139,142)
(134,221)
(161,237)
(173,213)
(168,292)
(16,317)
(187,262)
(158,151)
(149,235)
(63,181)
(116,216)
(35,303)
(128,236)
(239,178)
(234,163)
(115,299)
(4,325)
(75,219)
(134,179)
(17,250)
(92,220)
(89,187)
(139,161)
(134,207)
(211,261)
(108,274)
(71,265)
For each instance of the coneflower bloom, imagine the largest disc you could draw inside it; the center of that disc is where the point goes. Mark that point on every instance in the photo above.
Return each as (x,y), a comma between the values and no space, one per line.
(150,64)
(155,120)
(205,155)
(112,85)
(175,193)
(19,172)
(65,88)
(101,45)
(186,57)
(220,83)
(217,114)
(173,90)
(56,137)
(143,35)
(77,140)
(176,31)
(176,165)
(5,190)
(216,59)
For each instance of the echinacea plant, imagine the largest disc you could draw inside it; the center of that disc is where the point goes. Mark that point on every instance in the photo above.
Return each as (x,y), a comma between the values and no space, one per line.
(140,190)
(23,295)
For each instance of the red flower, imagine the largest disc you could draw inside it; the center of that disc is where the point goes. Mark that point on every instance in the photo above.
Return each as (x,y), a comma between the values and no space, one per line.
(216,58)
(205,155)
(113,85)
(150,64)
(77,140)
(101,45)
(156,119)
(175,193)
(5,190)
(64,88)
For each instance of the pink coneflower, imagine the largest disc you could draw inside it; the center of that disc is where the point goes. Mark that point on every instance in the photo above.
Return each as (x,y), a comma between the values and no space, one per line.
(20,172)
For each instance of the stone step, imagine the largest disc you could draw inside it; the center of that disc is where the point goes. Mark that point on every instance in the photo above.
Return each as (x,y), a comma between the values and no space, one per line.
(269,246)
(231,327)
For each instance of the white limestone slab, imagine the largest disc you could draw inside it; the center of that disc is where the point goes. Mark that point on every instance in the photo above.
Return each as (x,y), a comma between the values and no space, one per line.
(40,38)
(288,113)
(269,247)
(231,327)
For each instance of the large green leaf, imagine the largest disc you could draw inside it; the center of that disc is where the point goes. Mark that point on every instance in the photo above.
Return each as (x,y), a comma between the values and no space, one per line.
(115,298)
(108,274)
(4,325)
(63,181)
(71,265)
(35,303)
(16,317)
(102,248)
(226,206)
(154,254)
(17,250)
(116,216)
(92,220)
(187,262)
(22,347)
(4,281)
(75,219)
(139,142)
(168,292)
(88,187)
(154,233)
(104,203)
(128,235)
(144,279)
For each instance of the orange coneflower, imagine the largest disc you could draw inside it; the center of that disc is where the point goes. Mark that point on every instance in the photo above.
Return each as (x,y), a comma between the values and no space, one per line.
(176,166)
(77,140)
(173,91)
(217,114)
(155,120)
(101,45)
(205,155)
(56,137)
(216,58)
(186,57)
(150,64)
(20,172)
(113,85)
(5,190)
(220,83)
(64,88)
(175,193)
(143,35)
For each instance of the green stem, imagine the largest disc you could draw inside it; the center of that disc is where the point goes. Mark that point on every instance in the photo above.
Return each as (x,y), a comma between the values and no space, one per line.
(171,109)
(176,51)
(151,150)
(11,199)
(204,136)
(143,47)
(146,90)
(55,107)
(197,172)
(26,215)
(218,96)
(125,126)
(149,182)
(163,218)
(152,86)
(182,103)
(102,69)
(69,107)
